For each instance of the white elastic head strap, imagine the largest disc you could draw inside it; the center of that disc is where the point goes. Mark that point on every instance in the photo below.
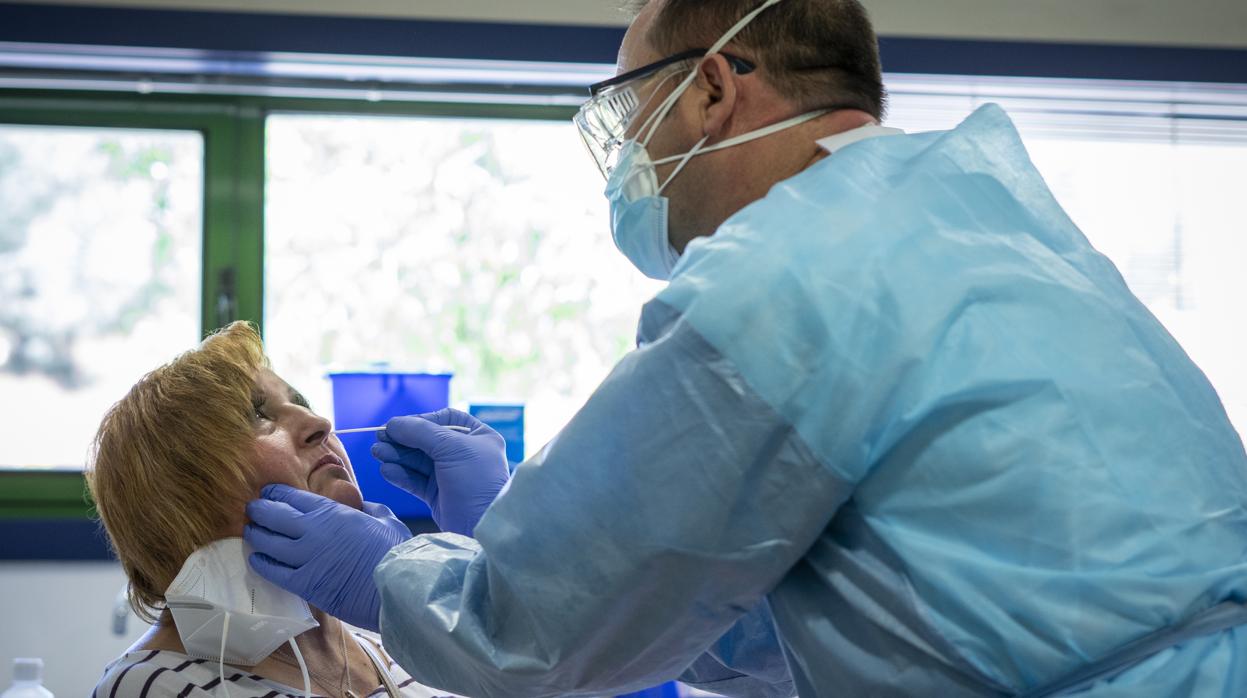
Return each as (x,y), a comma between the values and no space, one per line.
(307,681)
(221,656)
(653,93)
(298,657)
(651,124)
(735,140)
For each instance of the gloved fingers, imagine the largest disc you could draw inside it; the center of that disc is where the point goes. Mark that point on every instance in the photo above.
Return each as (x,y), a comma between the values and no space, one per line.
(449,417)
(382,513)
(485,498)
(417,432)
(432,491)
(277,516)
(410,480)
(443,417)
(486,430)
(454,417)
(287,550)
(413,459)
(301,500)
(505,486)
(386,452)
(377,510)
(274,571)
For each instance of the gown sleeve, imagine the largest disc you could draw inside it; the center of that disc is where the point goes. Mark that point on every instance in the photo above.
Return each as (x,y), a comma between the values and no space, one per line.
(644,536)
(747,662)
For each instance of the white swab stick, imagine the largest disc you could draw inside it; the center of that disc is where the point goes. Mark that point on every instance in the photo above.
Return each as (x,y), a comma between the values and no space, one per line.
(367,429)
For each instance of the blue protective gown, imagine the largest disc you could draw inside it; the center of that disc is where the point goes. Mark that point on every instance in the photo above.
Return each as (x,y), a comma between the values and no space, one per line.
(895,429)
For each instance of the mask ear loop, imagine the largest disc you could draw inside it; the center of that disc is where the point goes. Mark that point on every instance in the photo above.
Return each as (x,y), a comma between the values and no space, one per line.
(697,149)
(700,148)
(650,126)
(221,657)
(646,133)
(307,680)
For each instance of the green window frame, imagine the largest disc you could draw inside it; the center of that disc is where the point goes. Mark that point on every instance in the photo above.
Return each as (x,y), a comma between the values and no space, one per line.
(233,129)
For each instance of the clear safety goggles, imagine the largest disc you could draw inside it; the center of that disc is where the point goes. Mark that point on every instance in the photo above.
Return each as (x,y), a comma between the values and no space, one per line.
(614,104)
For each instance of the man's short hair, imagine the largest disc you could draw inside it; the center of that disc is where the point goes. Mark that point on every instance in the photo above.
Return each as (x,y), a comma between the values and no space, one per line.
(818,53)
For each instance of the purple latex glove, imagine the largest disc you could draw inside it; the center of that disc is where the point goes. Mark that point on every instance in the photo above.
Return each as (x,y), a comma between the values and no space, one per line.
(323,551)
(458,475)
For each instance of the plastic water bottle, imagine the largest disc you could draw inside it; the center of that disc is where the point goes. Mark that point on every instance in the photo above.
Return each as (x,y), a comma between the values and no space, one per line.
(27,680)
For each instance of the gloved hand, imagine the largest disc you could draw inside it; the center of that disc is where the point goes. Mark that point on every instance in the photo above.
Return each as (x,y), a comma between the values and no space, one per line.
(458,475)
(323,551)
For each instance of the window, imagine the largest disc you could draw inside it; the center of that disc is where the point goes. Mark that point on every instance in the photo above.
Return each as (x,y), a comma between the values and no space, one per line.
(482,246)
(100,257)
(478,246)
(474,243)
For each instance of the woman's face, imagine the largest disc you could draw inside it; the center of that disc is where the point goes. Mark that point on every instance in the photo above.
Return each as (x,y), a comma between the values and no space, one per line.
(294,446)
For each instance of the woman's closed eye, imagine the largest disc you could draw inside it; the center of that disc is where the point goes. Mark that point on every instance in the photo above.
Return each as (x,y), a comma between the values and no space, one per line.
(297,398)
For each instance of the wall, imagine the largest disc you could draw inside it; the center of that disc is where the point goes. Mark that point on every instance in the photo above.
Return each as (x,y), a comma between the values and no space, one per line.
(1209,23)
(62,612)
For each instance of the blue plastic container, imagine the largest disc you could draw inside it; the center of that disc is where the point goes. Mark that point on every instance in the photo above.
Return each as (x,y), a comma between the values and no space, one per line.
(370,399)
(508,420)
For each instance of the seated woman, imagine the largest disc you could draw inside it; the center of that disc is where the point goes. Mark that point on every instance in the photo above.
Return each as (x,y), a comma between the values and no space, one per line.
(174,463)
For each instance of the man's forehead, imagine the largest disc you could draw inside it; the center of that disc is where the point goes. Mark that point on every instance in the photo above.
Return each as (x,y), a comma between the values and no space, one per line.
(635,51)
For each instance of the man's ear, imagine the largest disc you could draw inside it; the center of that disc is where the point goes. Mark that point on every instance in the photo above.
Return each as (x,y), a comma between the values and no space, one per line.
(716,80)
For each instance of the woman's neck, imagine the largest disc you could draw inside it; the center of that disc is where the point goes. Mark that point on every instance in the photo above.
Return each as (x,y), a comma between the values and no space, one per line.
(326,638)
(322,649)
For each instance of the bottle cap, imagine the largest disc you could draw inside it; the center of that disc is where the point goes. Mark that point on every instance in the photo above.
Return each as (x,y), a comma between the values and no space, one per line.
(27,669)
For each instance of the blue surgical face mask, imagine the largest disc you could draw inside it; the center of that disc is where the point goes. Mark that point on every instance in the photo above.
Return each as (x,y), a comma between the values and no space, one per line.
(639,211)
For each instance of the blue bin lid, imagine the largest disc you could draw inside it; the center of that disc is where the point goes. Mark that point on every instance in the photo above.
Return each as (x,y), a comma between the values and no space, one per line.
(387,372)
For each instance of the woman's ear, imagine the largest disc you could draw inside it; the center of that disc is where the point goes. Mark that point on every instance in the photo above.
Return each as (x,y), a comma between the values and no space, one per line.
(716,80)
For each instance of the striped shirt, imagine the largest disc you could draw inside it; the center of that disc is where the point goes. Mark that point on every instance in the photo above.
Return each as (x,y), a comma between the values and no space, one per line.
(167,674)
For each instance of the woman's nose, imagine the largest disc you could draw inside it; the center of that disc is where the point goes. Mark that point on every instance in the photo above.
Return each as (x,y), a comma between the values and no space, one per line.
(316,430)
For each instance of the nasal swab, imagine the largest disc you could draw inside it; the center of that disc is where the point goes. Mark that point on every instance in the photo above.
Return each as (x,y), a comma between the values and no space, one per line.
(367,429)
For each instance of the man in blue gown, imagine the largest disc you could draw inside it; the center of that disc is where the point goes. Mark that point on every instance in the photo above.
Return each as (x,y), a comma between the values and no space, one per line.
(893,428)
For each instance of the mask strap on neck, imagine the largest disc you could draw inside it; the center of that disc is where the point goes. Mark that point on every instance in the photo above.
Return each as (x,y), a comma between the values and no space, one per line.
(763,132)
(661,113)
(767,130)
(684,160)
(221,657)
(307,680)
(346,664)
